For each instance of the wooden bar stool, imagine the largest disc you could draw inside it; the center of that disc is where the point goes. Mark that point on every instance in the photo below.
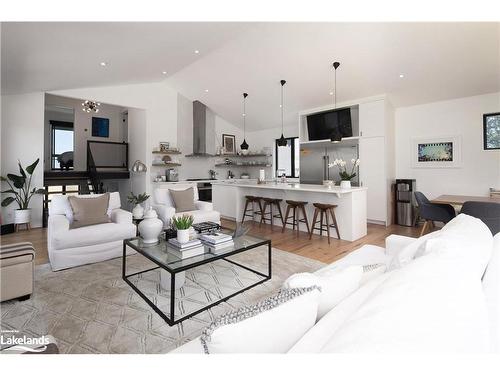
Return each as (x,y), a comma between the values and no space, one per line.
(296,207)
(324,210)
(270,202)
(251,200)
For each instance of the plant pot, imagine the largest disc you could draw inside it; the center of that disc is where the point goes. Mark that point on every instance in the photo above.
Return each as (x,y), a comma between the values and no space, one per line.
(165,284)
(138,212)
(183,235)
(22,216)
(345,184)
(151,227)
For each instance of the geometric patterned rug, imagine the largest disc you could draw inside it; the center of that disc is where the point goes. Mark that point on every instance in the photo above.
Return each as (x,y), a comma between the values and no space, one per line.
(90,309)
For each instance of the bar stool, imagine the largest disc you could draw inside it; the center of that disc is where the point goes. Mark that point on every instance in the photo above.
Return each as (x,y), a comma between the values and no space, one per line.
(324,210)
(270,202)
(296,207)
(250,199)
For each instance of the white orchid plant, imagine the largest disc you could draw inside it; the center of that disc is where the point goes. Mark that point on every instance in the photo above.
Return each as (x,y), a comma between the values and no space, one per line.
(341,164)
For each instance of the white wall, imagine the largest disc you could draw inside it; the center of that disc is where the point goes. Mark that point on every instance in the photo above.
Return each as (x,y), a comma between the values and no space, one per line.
(22,138)
(83,127)
(480,169)
(160,103)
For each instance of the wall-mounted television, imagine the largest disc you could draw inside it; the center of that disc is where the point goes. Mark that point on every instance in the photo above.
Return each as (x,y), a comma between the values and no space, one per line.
(100,127)
(324,124)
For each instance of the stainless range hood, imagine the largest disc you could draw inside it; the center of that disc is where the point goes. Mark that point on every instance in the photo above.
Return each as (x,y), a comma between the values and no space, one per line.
(203,131)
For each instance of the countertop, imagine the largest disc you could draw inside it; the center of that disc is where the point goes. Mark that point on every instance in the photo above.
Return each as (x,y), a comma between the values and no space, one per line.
(207,180)
(290,186)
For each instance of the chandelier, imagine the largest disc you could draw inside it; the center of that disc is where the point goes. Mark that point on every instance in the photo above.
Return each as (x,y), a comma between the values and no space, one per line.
(90,106)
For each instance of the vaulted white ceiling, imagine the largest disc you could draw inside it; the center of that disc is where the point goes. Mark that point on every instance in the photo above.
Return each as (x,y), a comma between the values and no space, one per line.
(438,60)
(51,56)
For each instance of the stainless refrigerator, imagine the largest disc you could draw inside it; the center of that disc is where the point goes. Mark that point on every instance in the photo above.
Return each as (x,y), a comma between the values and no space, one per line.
(314,160)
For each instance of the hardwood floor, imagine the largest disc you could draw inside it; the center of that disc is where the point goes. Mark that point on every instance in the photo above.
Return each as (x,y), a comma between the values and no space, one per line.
(37,236)
(316,248)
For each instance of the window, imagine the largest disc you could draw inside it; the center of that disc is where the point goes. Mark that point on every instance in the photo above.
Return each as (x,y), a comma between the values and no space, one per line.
(491,131)
(62,145)
(287,157)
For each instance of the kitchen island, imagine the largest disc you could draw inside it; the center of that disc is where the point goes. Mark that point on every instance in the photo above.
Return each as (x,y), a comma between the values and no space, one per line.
(228,198)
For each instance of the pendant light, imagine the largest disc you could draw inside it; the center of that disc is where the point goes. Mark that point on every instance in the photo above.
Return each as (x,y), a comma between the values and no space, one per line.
(336,136)
(282,141)
(244,145)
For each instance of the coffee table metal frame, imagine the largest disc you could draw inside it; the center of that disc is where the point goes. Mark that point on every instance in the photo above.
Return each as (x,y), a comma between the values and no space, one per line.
(171,321)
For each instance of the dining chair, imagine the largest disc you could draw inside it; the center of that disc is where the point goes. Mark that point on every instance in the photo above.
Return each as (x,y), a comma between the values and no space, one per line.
(488,212)
(431,212)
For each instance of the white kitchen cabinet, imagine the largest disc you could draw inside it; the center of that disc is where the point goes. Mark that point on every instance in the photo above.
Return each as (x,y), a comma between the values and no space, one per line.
(372,119)
(225,200)
(372,175)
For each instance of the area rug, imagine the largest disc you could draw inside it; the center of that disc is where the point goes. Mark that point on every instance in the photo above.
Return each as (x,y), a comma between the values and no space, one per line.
(90,309)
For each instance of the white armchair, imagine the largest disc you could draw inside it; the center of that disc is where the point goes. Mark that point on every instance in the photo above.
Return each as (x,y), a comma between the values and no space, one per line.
(165,208)
(95,243)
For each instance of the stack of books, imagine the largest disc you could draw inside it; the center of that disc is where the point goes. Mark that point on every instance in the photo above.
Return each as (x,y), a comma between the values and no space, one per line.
(217,241)
(185,250)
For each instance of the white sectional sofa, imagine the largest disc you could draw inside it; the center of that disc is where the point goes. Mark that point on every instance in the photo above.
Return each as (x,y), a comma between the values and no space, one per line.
(439,294)
(95,243)
(165,208)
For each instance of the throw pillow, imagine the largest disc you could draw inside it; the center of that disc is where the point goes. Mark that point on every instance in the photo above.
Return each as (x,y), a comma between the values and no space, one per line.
(89,211)
(273,325)
(183,199)
(371,271)
(336,284)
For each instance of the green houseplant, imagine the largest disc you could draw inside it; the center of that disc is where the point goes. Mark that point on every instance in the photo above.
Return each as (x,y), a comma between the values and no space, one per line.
(21,192)
(346,175)
(182,224)
(138,210)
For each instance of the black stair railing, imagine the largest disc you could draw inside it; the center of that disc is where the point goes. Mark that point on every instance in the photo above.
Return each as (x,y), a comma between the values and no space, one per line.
(92,172)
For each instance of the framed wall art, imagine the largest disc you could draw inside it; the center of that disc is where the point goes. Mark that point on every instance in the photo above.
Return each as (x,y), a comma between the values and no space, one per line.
(491,131)
(442,152)
(229,143)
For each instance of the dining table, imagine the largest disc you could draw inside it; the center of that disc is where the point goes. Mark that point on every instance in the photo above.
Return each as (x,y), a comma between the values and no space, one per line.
(459,200)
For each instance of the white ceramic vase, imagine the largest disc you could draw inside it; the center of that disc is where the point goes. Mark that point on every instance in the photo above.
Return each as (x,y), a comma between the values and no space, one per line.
(183,235)
(138,211)
(345,184)
(150,228)
(22,216)
(165,284)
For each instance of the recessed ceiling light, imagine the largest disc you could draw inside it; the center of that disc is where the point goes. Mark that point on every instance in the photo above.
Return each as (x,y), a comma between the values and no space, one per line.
(206,90)
(401,76)
(196,51)
(331,92)
(103,63)
(164,73)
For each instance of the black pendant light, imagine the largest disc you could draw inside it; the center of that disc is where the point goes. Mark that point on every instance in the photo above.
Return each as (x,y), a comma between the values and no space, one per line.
(336,136)
(244,145)
(282,141)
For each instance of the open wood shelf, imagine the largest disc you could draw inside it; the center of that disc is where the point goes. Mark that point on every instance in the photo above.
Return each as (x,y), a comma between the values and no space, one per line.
(170,152)
(167,165)
(243,156)
(242,165)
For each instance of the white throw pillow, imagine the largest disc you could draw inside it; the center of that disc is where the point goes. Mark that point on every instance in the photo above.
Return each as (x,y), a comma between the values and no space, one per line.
(409,252)
(371,271)
(336,284)
(428,306)
(491,288)
(273,325)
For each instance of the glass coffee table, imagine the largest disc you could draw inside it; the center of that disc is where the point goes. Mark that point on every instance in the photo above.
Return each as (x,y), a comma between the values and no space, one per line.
(177,289)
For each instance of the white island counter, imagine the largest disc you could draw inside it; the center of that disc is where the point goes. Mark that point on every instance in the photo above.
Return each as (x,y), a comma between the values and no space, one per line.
(229,199)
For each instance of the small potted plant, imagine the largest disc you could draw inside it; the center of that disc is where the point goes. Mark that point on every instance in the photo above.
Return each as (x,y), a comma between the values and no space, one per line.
(182,224)
(138,210)
(345,175)
(20,188)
